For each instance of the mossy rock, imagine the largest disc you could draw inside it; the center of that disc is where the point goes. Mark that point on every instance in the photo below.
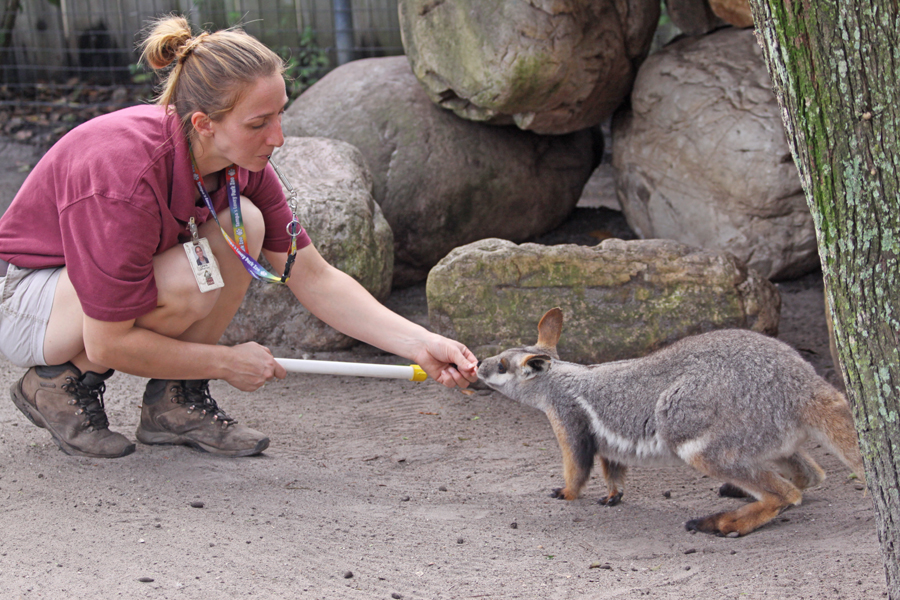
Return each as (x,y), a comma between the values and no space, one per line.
(621,299)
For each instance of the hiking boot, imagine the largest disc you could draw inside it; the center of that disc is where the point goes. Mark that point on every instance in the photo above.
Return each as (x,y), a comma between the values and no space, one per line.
(183,412)
(69,405)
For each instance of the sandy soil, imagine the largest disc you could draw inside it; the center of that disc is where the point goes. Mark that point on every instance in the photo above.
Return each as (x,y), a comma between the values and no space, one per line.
(384,489)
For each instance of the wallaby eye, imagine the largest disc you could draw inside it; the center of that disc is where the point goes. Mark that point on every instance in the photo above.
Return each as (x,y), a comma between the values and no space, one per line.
(501,366)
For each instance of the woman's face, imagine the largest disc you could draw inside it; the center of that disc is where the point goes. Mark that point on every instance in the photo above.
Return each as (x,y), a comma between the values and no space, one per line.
(249,133)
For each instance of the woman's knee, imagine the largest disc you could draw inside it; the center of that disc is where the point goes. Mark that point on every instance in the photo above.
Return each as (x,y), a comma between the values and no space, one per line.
(180,303)
(253,227)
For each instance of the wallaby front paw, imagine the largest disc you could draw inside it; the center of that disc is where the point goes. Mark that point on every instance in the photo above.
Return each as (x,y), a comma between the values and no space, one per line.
(610,500)
(562,494)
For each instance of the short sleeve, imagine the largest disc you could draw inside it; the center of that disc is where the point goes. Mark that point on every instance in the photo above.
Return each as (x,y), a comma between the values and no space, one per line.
(111,268)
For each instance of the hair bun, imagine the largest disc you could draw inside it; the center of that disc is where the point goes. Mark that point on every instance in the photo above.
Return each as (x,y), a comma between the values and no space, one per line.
(167,41)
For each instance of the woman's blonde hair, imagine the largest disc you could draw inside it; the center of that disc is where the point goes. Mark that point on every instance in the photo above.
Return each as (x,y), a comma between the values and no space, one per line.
(210,71)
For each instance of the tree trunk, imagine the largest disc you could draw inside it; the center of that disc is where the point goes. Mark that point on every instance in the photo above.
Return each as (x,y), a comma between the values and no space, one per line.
(837,78)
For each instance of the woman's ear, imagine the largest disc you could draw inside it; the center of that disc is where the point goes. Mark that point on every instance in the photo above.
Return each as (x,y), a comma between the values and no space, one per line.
(202,124)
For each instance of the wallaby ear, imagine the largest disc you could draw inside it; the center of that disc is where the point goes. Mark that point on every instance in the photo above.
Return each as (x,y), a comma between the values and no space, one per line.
(550,328)
(535,364)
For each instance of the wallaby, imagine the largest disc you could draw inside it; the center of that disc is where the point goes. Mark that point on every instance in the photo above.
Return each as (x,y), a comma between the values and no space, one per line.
(734,404)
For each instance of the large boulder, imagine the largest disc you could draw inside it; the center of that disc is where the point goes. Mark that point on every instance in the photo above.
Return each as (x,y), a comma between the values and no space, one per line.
(734,12)
(702,156)
(550,66)
(443,181)
(693,17)
(347,227)
(621,299)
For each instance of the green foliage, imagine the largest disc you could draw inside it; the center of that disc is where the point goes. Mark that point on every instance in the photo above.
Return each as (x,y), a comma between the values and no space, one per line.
(139,74)
(664,18)
(305,65)
(234,17)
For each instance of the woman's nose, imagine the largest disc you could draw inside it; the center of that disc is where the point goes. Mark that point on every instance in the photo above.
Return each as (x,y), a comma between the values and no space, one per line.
(276,138)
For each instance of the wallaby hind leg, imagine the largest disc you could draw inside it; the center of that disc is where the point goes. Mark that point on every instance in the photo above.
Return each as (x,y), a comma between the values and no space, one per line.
(773,494)
(578,449)
(729,490)
(832,422)
(801,470)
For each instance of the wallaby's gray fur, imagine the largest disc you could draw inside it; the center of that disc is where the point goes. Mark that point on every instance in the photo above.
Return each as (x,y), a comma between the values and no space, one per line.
(734,404)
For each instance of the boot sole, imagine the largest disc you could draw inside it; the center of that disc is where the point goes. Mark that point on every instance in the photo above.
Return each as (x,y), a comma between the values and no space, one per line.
(18,398)
(164,438)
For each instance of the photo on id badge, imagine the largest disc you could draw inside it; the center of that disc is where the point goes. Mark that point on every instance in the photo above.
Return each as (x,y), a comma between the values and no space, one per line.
(203,263)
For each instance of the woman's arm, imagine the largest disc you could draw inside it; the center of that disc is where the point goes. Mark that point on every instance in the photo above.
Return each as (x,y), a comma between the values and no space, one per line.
(340,301)
(126,347)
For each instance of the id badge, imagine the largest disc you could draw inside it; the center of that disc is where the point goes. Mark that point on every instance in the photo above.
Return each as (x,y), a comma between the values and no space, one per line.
(204,265)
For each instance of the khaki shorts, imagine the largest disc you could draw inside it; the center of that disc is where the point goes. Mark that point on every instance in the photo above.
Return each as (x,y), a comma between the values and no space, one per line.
(26,297)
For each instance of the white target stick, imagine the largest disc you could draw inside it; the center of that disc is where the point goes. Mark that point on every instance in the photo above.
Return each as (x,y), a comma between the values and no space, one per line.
(327,367)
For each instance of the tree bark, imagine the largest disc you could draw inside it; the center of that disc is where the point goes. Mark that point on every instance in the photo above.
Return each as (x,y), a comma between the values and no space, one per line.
(836,72)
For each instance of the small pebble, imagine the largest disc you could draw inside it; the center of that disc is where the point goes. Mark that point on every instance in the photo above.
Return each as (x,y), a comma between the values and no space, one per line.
(513,525)
(687,568)
(442,488)
(396,596)
(460,541)
(404,499)
(690,551)
(197,504)
(145,579)
(733,534)
(348,575)
(667,494)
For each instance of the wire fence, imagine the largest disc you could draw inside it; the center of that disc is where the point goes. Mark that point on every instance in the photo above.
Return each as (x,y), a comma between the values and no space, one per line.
(48,48)
(63,62)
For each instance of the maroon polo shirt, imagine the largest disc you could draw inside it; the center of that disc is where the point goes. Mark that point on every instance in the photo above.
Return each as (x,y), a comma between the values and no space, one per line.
(109,196)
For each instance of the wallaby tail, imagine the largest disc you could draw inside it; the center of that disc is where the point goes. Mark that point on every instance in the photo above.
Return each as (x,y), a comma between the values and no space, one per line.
(831,420)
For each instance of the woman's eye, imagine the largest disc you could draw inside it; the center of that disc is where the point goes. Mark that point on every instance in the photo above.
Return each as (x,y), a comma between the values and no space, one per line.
(260,126)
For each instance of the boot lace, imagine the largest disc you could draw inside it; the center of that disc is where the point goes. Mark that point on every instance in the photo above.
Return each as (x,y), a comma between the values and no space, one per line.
(198,398)
(89,400)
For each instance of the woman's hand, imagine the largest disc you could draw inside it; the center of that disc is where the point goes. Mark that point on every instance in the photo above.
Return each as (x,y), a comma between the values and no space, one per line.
(341,302)
(252,366)
(448,362)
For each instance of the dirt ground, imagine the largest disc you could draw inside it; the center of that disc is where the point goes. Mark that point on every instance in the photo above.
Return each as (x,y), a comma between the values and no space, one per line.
(384,489)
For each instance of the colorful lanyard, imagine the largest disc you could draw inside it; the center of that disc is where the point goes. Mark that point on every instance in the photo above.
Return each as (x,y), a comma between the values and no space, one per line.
(240,246)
